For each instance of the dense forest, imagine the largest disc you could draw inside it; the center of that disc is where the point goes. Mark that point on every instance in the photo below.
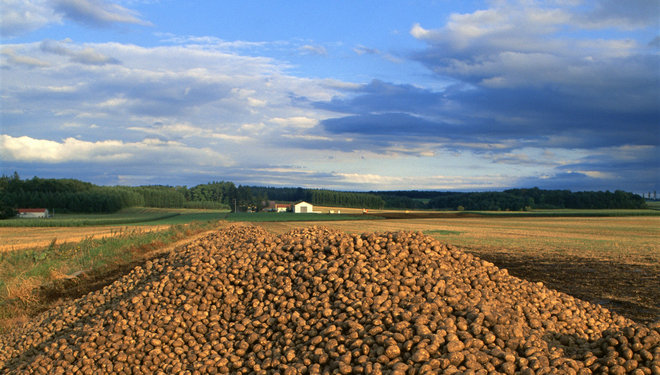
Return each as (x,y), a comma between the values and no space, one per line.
(70,195)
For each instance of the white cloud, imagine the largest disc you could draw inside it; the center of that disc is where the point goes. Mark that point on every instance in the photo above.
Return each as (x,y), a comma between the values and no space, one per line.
(14,59)
(313,50)
(370,181)
(296,122)
(21,16)
(28,149)
(113,102)
(41,150)
(85,55)
(516,26)
(364,50)
(307,137)
(625,15)
(595,174)
(231,137)
(212,42)
(211,88)
(97,12)
(517,44)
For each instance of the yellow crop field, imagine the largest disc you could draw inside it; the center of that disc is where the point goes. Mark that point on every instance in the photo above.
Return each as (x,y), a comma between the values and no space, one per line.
(30,237)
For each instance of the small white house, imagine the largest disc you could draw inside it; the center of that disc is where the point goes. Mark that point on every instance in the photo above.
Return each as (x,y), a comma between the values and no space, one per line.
(303,207)
(280,207)
(30,213)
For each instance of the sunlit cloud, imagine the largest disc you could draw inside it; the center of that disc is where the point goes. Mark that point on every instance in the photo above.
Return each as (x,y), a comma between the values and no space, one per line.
(313,50)
(27,149)
(97,12)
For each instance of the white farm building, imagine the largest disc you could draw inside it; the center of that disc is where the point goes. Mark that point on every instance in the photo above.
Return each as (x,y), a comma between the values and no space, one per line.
(303,207)
(29,213)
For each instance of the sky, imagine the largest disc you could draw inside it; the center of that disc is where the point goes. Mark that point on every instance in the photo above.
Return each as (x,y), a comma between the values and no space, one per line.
(347,95)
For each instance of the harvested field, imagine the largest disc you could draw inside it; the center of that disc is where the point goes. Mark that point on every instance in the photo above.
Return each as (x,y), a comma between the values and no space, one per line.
(612,261)
(16,238)
(634,240)
(320,301)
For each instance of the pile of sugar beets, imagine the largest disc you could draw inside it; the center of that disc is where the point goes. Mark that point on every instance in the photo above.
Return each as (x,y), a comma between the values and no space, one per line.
(320,301)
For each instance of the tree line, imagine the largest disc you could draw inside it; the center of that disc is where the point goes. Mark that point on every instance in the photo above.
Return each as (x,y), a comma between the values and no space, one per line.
(513,200)
(70,195)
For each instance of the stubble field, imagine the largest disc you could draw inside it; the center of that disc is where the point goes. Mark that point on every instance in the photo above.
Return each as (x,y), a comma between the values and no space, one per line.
(30,237)
(613,261)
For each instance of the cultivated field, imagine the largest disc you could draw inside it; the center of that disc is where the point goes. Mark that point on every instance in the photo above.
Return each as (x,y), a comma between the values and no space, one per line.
(613,261)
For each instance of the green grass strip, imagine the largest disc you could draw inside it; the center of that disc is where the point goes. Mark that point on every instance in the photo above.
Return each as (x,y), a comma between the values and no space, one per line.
(86,221)
(289,216)
(441,232)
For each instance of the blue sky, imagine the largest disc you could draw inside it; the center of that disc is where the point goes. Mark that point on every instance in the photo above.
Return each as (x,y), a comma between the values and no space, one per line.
(362,95)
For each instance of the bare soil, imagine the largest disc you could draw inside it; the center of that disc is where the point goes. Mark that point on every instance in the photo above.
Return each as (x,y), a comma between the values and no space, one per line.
(632,290)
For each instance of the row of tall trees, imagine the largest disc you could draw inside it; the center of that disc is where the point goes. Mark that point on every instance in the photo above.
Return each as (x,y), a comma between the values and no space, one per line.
(345,199)
(69,195)
(582,199)
(487,201)
(322,197)
(513,199)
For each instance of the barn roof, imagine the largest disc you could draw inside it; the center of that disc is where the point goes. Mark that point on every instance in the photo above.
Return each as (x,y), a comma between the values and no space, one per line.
(26,210)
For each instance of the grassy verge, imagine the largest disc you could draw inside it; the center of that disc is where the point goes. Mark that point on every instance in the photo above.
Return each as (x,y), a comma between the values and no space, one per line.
(24,272)
(653,205)
(441,232)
